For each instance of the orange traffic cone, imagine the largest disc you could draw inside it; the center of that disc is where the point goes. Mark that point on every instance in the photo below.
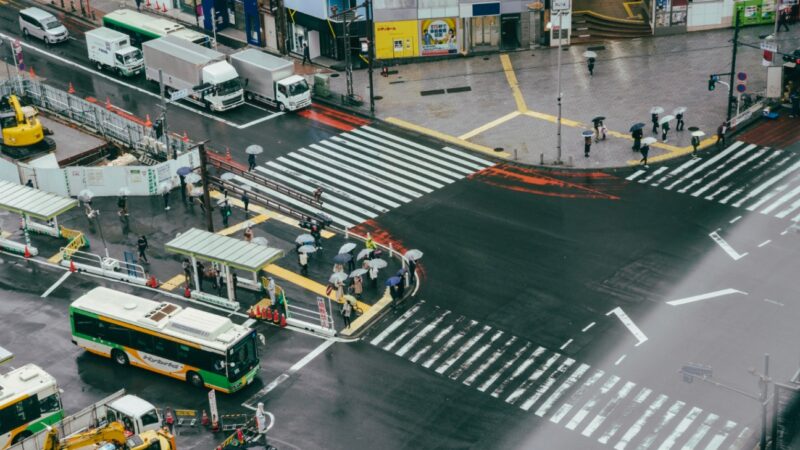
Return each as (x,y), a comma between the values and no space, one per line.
(283,321)
(27,252)
(228,153)
(185,137)
(276,318)
(250,312)
(215,425)
(186,292)
(147,122)
(72,266)
(153,283)
(267,313)
(164,7)
(33,74)
(108,103)
(157,8)
(71,89)
(240,435)
(147,5)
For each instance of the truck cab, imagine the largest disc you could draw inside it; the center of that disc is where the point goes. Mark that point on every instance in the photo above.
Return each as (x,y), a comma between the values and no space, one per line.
(222,88)
(293,93)
(110,49)
(129,61)
(136,414)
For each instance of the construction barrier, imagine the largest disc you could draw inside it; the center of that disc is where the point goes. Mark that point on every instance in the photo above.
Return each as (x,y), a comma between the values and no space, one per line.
(214,300)
(105,267)
(18,247)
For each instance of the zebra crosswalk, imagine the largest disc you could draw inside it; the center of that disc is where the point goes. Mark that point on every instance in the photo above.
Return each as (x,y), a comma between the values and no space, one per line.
(742,176)
(599,405)
(364,173)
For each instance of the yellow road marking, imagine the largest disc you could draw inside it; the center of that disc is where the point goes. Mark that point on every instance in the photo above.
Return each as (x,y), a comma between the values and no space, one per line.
(627,6)
(489,125)
(241,226)
(554,119)
(270,214)
(512,81)
(446,137)
(368,314)
(675,152)
(173,282)
(306,283)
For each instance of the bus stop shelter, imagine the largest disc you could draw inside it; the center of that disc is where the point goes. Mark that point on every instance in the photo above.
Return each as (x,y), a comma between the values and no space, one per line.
(228,253)
(30,203)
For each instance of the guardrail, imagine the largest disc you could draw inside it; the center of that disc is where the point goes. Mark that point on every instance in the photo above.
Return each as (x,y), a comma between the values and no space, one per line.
(259,199)
(106,267)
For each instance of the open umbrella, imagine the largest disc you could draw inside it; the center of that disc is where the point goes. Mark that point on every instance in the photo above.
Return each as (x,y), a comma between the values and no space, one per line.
(337,277)
(363,254)
(85,195)
(679,110)
(193,178)
(377,263)
(649,140)
(303,238)
(164,187)
(196,192)
(589,54)
(307,249)
(227,176)
(350,298)
(637,126)
(394,281)
(123,191)
(183,171)
(342,258)
(358,272)
(693,128)
(656,110)
(698,133)
(254,150)
(414,254)
(665,119)
(261,240)
(347,248)
(587,133)
(598,119)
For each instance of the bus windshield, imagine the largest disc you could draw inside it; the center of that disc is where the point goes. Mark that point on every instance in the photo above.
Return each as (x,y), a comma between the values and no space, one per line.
(242,357)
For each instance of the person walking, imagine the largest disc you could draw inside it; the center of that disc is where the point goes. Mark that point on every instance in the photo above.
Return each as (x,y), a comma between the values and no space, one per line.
(695,144)
(664,131)
(271,291)
(246,202)
(183,188)
(645,150)
(318,195)
(187,271)
(141,245)
(412,270)
(783,20)
(590,64)
(637,135)
(597,123)
(339,291)
(358,287)
(218,281)
(347,311)
(138,5)
(306,54)
(794,99)
(201,274)
(165,195)
(351,265)
(29,183)
(679,124)
(302,259)
(122,203)
(654,119)
(721,130)
(248,234)
(223,210)
(251,161)
(587,145)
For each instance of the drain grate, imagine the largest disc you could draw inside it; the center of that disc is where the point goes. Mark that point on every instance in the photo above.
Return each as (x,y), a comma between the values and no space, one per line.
(458,89)
(596,48)
(432,92)
(397,82)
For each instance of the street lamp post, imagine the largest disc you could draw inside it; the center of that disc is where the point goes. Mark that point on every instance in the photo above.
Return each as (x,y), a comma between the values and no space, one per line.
(558,144)
(370,54)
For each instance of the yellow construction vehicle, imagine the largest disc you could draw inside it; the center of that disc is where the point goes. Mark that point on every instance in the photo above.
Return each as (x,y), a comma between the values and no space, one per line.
(110,437)
(23,133)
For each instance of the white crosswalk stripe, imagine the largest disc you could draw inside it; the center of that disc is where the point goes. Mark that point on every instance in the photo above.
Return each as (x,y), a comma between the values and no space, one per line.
(742,175)
(616,412)
(363,173)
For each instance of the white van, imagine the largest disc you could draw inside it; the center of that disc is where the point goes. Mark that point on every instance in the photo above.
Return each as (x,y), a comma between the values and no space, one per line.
(43,25)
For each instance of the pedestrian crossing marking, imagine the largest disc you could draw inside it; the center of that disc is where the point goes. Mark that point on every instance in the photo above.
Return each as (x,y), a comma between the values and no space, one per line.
(615,412)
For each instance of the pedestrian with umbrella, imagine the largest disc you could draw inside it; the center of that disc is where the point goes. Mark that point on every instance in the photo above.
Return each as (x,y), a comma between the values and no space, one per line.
(122,202)
(654,112)
(252,151)
(696,135)
(248,233)
(358,284)
(590,58)
(645,150)
(679,116)
(665,126)
(347,309)
(637,134)
(182,172)
(412,256)
(302,259)
(599,128)
(587,143)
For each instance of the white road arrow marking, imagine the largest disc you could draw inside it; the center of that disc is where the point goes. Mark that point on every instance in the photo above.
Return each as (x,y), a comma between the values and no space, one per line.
(697,298)
(727,247)
(640,337)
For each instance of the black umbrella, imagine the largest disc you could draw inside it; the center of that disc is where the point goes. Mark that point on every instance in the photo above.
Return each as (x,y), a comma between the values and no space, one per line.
(342,258)
(637,126)
(693,128)
(598,119)
(183,171)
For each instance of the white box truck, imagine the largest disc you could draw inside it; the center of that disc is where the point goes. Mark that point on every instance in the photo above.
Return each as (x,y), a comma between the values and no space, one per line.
(271,80)
(209,79)
(112,50)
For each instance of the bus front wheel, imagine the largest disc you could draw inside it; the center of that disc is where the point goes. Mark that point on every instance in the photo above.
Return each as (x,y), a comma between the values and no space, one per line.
(120,357)
(195,379)
(21,436)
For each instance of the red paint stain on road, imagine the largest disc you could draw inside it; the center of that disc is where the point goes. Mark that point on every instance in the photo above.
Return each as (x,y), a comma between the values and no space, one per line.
(779,133)
(325,119)
(351,118)
(384,237)
(548,183)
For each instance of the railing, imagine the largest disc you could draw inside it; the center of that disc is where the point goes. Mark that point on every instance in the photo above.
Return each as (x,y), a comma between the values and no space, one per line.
(76,241)
(259,199)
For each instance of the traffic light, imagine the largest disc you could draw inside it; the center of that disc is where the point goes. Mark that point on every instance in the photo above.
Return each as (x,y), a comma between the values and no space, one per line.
(712,82)
(158,127)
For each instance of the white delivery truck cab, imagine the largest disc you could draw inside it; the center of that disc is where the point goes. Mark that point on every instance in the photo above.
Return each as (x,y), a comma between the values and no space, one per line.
(112,50)
(136,414)
(271,80)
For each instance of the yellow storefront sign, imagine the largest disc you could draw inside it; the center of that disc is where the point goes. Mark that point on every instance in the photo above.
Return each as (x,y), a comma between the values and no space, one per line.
(396,39)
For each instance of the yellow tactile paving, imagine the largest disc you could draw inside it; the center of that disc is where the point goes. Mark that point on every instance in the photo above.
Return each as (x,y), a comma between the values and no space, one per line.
(489,125)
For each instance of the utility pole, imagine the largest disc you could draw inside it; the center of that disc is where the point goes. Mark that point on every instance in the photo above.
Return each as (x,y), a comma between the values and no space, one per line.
(164,115)
(370,54)
(201,148)
(560,34)
(763,381)
(733,63)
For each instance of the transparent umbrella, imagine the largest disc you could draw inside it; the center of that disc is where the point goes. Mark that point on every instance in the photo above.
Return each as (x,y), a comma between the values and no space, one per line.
(261,240)
(347,248)
(307,249)
(337,277)
(193,178)
(363,254)
(227,176)
(357,273)
(656,110)
(254,150)
(85,195)
(303,238)
(414,254)
(377,263)
(164,187)
(649,140)
(666,119)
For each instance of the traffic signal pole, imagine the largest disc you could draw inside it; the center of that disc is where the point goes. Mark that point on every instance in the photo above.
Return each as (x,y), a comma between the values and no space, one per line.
(733,63)
(370,54)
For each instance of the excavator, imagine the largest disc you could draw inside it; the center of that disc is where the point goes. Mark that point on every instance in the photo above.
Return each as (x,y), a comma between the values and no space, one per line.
(110,437)
(23,133)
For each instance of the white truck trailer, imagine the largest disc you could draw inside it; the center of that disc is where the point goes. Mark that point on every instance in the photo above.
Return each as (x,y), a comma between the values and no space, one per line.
(204,74)
(112,50)
(271,80)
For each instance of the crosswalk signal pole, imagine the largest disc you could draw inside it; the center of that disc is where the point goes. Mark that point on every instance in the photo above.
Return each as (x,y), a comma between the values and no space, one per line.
(560,34)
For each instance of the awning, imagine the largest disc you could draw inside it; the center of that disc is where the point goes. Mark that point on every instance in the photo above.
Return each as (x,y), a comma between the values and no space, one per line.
(42,205)
(233,252)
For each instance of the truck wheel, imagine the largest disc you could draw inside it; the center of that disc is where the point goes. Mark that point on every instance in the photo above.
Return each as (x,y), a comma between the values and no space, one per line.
(120,357)
(25,33)
(195,379)
(282,107)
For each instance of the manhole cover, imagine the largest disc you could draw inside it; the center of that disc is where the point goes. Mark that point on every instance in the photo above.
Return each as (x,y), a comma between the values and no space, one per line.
(378,97)
(334,75)
(498,149)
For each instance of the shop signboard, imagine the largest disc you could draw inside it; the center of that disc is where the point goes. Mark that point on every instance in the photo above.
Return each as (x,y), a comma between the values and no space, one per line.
(438,37)
(755,12)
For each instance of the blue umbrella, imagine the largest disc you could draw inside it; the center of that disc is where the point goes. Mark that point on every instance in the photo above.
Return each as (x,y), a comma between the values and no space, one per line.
(342,258)
(185,170)
(394,281)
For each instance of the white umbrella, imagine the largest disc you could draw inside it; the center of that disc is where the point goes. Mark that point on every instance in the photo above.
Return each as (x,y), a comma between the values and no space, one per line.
(85,195)
(363,254)
(254,150)
(377,263)
(679,110)
(357,273)
(196,192)
(227,176)
(589,54)
(261,240)
(123,191)
(649,140)
(193,178)
(337,277)
(414,254)
(698,133)
(347,248)
(303,238)
(656,110)
(164,187)
(666,119)
(307,249)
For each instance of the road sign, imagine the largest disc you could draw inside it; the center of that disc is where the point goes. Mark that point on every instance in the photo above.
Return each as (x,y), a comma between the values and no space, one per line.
(742,77)
(212,405)
(179,94)
(741,88)
(323,312)
(561,5)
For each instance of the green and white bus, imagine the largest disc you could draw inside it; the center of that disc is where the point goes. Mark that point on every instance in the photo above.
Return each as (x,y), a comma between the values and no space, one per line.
(201,348)
(142,28)
(29,401)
